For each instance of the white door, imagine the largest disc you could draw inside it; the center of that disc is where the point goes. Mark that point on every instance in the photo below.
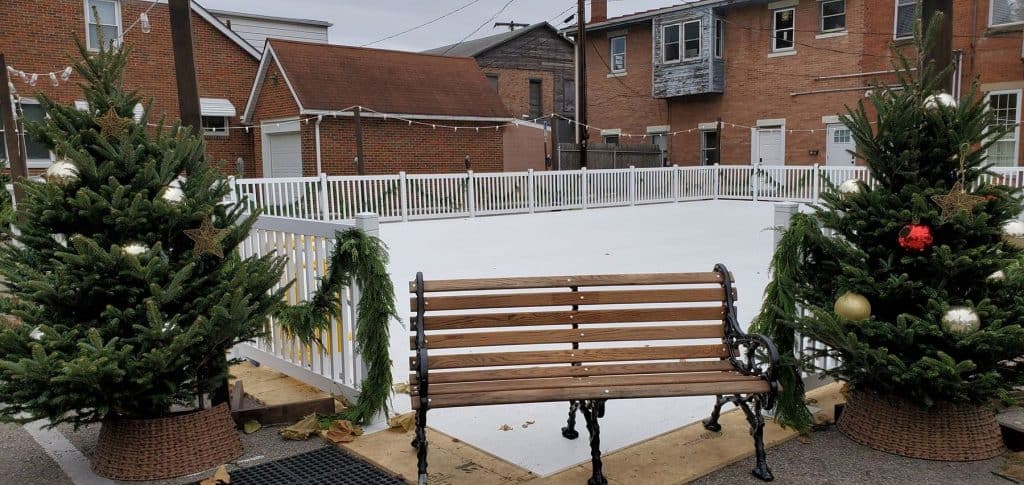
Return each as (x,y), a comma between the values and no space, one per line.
(838,143)
(771,148)
(285,155)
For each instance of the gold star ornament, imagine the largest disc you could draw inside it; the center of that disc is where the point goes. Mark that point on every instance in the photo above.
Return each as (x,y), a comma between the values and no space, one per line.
(207,238)
(111,124)
(957,200)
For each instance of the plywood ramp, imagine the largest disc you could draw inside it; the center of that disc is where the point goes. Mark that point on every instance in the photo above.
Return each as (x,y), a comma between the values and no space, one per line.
(678,456)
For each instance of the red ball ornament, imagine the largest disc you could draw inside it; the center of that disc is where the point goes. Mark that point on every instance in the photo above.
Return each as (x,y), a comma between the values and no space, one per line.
(915,237)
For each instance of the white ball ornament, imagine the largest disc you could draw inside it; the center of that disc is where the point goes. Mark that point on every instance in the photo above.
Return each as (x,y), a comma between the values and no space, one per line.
(173,195)
(961,320)
(36,334)
(848,187)
(1013,233)
(135,249)
(944,100)
(997,276)
(62,173)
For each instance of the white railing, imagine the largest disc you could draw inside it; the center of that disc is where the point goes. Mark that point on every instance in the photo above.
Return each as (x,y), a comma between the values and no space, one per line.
(335,366)
(405,197)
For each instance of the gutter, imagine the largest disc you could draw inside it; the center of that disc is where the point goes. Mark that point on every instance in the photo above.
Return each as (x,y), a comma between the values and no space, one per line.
(373,114)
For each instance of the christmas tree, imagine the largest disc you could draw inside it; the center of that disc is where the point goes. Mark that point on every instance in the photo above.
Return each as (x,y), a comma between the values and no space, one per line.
(911,280)
(123,279)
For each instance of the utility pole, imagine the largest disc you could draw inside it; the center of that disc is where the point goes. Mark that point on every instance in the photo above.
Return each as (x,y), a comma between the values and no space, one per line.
(512,25)
(15,155)
(184,65)
(360,161)
(581,79)
(941,49)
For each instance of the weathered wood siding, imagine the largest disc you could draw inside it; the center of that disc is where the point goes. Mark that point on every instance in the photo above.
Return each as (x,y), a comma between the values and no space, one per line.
(539,50)
(686,76)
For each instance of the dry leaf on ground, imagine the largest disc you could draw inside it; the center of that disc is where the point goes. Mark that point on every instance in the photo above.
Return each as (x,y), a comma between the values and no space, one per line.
(505,427)
(220,477)
(301,430)
(406,422)
(251,426)
(342,431)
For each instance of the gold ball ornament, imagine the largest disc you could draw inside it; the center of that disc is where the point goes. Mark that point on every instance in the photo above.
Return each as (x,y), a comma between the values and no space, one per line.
(961,320)
(1013,233)
(853,306)
(62,173)
(848,187)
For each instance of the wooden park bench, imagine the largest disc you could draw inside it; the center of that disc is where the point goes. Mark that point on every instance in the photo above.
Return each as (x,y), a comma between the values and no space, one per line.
(466,332)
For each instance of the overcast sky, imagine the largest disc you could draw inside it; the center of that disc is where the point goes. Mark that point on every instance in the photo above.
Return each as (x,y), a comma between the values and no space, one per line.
(358,22)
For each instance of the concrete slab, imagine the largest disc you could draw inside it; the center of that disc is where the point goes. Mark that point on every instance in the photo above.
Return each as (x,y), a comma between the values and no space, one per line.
(22,460)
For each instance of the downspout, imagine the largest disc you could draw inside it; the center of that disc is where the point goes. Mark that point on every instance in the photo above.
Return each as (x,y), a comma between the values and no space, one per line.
(319,167)
(974,36)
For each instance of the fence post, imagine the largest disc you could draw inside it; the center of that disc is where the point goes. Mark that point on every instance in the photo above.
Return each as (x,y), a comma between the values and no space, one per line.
(470,194)
(632,185)
(816,184)
(677,177)
(325,210)
(530,190)
(755,183)
(369,222)
(403,194)
(583,187)
(715,176)
(784,212)
(232,197)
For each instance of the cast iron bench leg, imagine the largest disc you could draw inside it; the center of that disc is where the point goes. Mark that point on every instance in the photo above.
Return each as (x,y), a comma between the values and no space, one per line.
(569,431)
(756,420)
(420,442)
(592,410)
(711,424)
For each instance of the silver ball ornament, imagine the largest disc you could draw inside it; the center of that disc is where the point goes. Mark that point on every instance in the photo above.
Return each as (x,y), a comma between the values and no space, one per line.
(944,100)
(135,249)
(848,187)
(62,173)
(961,320)
(997,276)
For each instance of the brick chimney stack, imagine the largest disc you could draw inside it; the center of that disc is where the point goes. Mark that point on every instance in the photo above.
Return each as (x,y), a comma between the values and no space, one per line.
(598,11)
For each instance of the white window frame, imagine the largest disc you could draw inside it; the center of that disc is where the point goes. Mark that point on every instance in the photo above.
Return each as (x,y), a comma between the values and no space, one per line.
(682,39)
(991,11)
(821,16)
(117,23)
(36,162)
(679,43)
(719,39)
(1016,128)
(211,132)
(896,19)
(775,32)
(612,54)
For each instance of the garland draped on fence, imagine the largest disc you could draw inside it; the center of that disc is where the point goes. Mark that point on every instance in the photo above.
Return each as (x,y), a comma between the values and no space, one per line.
(364,258)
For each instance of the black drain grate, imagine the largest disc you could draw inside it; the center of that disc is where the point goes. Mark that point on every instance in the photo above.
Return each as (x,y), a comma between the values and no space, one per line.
(325,466)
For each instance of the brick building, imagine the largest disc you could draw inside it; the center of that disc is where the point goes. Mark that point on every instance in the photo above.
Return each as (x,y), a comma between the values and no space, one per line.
(38,37)
(777,74)
(300,108)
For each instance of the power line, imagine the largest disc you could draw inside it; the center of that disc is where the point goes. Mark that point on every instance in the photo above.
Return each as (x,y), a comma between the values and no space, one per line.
(424,24)
(489,20)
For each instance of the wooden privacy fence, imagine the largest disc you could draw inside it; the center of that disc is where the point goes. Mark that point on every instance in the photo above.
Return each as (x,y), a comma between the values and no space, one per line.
(336,366)
(608,155)
(406,197)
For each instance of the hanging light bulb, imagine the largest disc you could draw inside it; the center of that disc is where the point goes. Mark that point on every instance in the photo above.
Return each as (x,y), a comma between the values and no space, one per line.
(64,76)
(144,23)
(32,80)
(53,79)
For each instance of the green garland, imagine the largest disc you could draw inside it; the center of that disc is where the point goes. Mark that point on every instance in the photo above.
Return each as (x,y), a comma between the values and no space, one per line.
(364,258)
(778,312)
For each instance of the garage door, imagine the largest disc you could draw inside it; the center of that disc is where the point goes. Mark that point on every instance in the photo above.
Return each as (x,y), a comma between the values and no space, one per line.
(285,151)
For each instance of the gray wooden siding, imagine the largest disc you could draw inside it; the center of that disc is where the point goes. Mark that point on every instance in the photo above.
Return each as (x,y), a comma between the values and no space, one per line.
(540,50)
(687,76)
(256,31)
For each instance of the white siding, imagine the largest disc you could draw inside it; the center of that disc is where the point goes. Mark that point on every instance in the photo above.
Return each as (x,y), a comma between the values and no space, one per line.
(256,31)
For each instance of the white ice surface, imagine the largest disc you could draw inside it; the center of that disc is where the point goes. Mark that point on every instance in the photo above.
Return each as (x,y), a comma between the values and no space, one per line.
(684,237)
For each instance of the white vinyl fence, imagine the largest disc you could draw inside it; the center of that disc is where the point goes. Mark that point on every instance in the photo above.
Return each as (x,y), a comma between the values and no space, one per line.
(335,366)
(406,197)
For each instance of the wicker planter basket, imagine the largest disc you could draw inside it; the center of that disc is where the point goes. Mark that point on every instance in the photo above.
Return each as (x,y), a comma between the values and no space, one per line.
(152,449)
(947,432)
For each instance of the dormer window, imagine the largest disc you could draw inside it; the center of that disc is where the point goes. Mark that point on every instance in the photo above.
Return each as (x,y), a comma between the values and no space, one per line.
(103,23)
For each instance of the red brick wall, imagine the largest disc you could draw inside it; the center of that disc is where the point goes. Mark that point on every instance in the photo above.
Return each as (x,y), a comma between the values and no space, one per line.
(761,87)
(275,101)
(38,37)
(514,90)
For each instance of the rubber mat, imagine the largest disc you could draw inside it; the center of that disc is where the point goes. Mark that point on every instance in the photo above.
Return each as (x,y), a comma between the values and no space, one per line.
(324,466)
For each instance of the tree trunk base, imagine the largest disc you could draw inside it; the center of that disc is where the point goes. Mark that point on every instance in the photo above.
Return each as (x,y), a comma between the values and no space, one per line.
(153,449)
(945,432)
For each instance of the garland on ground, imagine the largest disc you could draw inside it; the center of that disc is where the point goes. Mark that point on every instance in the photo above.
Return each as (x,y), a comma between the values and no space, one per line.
(364,258)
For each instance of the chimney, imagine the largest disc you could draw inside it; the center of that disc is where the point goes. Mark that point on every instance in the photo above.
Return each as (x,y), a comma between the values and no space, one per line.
(598,11)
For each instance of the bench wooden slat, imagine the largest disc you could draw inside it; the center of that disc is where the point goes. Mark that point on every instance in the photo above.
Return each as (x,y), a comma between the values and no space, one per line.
(567,281)
(564,317)
(568,382)
(574,371)
(602,297)
(600,392)
(569,356)
(526,337)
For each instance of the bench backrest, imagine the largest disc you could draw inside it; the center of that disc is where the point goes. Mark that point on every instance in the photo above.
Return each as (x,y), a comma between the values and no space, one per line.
(472,332)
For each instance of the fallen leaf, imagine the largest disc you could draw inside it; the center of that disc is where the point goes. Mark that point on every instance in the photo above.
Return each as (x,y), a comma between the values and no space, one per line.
(505,427)
(220,477)
(251,426)
(302,430)
(406,422)
(342,401)
(804,439)
(401,388)
(342,431)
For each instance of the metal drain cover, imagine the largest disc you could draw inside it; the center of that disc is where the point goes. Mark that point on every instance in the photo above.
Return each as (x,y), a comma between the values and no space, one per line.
(324,466)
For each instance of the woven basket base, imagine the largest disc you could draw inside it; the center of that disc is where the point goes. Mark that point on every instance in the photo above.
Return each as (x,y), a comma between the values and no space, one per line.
(946,432)
(153,449)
